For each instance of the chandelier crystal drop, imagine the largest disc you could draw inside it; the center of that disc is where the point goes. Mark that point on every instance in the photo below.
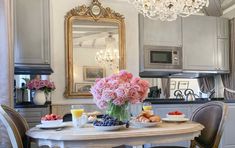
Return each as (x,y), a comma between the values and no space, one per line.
(168,10)
(110,56)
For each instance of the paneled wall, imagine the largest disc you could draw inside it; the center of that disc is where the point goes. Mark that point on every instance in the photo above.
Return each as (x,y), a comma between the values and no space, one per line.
(6,60)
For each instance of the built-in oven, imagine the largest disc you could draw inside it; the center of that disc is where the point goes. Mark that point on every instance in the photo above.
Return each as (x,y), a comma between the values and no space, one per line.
(162,57)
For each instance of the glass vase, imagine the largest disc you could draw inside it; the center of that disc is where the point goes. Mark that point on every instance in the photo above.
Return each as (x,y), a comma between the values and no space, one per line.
(121,112)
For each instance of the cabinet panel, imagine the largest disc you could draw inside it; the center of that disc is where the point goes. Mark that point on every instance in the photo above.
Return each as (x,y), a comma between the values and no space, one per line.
(223,54)
(161,33)
(199,43)
(31,27)
(33,115)
(222,27)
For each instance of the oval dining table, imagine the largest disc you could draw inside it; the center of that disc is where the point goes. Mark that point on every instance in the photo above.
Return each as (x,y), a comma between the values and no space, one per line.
(71,137)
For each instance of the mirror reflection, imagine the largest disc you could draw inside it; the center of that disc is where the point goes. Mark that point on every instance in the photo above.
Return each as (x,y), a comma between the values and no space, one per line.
(95,52)
(95,47)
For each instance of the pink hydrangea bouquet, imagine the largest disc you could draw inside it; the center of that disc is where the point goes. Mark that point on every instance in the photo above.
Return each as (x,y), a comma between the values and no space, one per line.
(115,92)
(43,85)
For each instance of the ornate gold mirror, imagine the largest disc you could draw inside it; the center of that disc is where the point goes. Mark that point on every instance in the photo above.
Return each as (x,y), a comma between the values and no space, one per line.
(95,47)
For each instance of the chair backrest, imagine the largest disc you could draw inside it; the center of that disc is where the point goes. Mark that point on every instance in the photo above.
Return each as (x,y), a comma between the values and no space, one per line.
(212,115)
(16,127)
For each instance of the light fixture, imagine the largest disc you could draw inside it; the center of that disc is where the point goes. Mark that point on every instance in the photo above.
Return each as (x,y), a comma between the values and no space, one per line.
(168,10)
(109,57)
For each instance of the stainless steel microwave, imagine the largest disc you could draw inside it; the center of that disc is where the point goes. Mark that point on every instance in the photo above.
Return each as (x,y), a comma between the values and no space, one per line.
(162,57)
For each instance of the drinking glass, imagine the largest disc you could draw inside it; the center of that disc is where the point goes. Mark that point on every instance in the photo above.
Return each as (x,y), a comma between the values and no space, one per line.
(147,106)
(79,119)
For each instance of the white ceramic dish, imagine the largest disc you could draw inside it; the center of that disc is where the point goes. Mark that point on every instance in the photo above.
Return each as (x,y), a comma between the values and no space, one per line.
(142,124)
(108,128)
(52,122)
(46,126)
(175,119)
(175,116)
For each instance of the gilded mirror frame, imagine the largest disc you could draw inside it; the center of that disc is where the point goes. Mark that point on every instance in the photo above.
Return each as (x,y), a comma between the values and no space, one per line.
(97,13)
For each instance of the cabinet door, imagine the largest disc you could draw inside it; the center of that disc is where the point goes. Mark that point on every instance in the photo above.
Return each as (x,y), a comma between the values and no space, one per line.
(199,43)
(223,55)
(222,28)
(33,115)
(31,26)
(161,33)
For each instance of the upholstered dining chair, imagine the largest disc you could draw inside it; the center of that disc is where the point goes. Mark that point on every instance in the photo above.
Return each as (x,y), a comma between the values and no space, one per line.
(212,115)
(16,127)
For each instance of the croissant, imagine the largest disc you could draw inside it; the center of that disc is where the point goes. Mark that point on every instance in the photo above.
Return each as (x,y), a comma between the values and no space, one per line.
(147,114)
(142,119)
(155,119)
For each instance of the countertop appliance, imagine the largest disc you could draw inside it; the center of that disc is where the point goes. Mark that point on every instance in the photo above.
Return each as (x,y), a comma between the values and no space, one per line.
(159,60)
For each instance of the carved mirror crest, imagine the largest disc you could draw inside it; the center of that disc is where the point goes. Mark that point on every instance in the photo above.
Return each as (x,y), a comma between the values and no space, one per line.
(95,47)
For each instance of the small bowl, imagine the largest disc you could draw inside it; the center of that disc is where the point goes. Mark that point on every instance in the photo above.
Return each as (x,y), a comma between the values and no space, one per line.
(52,122)
(175,116)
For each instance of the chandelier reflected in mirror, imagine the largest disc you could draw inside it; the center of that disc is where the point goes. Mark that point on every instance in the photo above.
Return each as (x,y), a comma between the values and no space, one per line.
(109,57)
(168,10)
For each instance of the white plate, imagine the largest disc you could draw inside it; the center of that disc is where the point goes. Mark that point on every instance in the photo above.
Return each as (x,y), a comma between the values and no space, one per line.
(175,119)
(108,128)
(47,126)
(142,124)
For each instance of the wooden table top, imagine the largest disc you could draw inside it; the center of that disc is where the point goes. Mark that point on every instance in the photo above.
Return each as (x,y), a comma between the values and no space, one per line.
(89,132)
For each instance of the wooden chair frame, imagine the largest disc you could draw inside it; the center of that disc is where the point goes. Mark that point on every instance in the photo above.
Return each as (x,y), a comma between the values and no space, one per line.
(12,130)
(221,126)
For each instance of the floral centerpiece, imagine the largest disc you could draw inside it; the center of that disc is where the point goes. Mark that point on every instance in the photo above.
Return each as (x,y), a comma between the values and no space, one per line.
(44,85)
(42,89)
(115,92)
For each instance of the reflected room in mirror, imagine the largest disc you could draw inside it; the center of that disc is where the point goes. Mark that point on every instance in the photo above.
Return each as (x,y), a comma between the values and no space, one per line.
(94,47)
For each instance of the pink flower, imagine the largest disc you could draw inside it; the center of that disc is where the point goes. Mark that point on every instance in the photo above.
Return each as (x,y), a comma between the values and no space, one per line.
(119,89)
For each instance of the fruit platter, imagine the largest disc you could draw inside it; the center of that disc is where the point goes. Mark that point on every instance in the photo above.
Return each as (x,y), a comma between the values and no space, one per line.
(51,119)
(146,119)
(109,123)
(175,116)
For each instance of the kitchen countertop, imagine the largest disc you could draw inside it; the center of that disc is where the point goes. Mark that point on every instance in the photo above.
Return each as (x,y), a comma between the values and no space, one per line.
(182,101)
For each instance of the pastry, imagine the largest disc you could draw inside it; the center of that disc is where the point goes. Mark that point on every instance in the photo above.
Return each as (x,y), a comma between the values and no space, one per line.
(142,119)
(155,118)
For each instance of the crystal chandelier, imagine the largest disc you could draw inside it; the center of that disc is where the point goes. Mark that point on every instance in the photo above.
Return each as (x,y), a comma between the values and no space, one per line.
(110,56)
(168,10)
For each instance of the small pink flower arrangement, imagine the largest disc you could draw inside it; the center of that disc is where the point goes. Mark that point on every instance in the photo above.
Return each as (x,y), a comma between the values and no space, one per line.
(43,85)
(119,89)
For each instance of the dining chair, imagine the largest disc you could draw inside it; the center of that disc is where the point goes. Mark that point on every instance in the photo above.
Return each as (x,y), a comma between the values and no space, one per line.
(16,127)
(212,116)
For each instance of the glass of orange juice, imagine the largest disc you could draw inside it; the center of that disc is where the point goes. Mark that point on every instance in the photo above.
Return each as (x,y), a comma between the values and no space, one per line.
(79,119)
(147,106)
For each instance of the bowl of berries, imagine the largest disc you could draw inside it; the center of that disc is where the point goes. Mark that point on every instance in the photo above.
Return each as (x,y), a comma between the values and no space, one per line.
(175,115)
(51,120)
(109,123)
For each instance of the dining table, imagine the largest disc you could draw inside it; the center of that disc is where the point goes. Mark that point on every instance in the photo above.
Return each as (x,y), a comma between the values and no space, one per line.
(88,136)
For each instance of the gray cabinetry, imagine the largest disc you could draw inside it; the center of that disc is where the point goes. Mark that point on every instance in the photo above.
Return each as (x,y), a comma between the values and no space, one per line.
(158,33)
(33,115)
(205,44)
(223,54)
(199,43)
(222,28)
(32,40)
